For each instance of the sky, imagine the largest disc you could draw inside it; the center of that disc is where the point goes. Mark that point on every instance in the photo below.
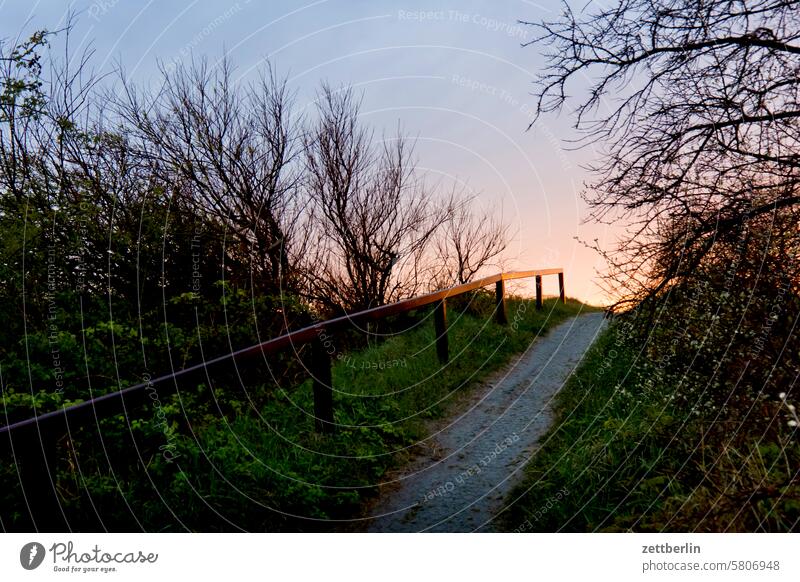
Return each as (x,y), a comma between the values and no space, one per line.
(453,74)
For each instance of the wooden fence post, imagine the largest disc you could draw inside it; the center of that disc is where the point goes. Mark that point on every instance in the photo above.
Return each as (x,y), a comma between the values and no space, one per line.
(500,299)
(561,294)
(538,291)
(440,323)
(323,387)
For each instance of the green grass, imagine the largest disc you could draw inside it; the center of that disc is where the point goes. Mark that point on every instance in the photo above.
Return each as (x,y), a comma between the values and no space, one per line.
(272,472)
(625,455)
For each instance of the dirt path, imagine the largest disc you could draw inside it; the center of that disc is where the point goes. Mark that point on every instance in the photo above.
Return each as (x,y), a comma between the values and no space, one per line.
(460,483)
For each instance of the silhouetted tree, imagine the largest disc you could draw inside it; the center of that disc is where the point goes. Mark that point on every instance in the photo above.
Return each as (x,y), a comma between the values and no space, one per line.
(469,241)
(228,152)
(697,105)
(372,215)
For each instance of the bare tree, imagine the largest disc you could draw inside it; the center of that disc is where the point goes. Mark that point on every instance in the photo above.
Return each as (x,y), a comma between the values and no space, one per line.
(372,213)
(469,241)
(230,151)
(698,105)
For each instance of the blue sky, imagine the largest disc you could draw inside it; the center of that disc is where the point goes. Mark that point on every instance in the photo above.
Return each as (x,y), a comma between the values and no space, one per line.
(453,74)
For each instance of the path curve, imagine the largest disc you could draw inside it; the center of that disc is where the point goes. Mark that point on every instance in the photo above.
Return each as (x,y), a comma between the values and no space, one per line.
(460,484)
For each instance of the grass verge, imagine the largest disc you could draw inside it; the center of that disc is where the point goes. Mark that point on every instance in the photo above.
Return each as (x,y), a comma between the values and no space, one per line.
(628,453)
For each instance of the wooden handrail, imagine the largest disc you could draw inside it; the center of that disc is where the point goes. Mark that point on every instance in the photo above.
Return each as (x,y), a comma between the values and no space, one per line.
(31,443)
(127,398)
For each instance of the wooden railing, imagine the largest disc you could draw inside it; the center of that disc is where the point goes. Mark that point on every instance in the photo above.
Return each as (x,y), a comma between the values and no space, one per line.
(129,398)
(30,442)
